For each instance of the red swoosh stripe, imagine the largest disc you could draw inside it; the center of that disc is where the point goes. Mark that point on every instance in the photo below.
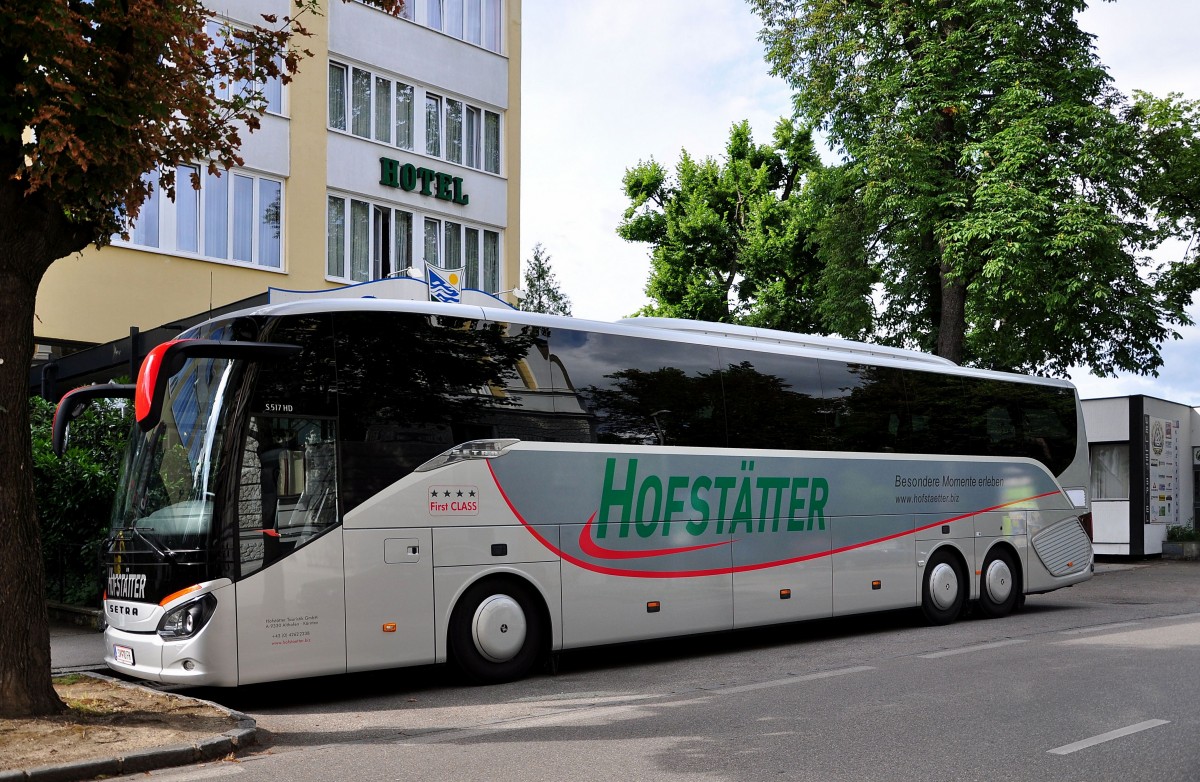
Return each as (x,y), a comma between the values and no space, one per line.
(593,549)
(722,571)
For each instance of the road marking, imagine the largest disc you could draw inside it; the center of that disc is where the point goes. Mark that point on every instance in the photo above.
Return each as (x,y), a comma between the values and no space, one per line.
(1067,749)
(789,680)
(1097,628)
(968,649)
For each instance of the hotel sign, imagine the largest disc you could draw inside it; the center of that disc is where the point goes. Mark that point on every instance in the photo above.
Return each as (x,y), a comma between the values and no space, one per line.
(408,177)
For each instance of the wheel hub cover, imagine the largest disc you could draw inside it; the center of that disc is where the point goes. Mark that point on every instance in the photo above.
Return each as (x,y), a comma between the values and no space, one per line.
(943,586)
(998,581)
(498,628)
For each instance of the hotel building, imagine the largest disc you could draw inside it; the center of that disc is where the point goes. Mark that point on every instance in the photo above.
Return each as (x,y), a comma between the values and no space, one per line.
(396,146)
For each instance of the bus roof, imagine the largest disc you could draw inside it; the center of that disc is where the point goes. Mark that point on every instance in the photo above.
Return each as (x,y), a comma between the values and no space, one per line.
(699,332)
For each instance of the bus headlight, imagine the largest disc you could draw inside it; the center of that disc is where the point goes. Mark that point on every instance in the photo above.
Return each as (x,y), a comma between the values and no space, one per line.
(187,620)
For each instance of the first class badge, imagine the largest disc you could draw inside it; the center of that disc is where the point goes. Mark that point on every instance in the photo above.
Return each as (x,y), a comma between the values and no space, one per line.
(453,501)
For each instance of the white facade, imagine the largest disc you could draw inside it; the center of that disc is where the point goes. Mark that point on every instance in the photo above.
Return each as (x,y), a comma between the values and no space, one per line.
(1145,455)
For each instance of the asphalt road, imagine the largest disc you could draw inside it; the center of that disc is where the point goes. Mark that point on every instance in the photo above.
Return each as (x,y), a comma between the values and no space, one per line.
(1097,682)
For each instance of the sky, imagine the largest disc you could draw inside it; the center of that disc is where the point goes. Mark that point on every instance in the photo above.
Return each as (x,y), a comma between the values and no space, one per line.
(607,85)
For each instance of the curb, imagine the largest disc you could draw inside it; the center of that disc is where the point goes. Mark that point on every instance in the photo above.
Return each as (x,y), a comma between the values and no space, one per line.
(245,734)
(75,615)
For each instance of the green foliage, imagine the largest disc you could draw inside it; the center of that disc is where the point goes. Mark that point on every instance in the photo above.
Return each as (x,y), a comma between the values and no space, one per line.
(542,293)
(74,495)
(1180,534)
(730,239)
(999,188)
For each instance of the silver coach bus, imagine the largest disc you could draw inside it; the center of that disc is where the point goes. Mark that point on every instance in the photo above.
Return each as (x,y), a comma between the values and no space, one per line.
(345,485)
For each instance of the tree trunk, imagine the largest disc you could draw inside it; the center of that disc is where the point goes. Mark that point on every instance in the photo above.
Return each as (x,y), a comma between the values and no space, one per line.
(952,325)
(34,231)
(25,686)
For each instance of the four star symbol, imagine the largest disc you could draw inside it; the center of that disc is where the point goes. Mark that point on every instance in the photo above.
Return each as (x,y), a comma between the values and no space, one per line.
(446,493)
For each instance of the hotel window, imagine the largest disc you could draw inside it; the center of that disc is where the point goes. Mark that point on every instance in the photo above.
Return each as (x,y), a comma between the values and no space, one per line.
(337,96)
(454,18)
(236,216)
(375,105)
(145,229)
(383,110)
(463,249)
(406,9)
(433,125)
(472,135)
(360,103)
(222,34)
(474,21)
(187,210)
(491,261)
(471,138)
(454,130)
(370,241)
(366,241)
(404,116)
(491,142)
(433,243)
(491,25)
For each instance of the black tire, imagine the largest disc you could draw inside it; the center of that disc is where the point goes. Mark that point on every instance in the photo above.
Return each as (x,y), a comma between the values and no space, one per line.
(999,584)
(943,588)
(496,631)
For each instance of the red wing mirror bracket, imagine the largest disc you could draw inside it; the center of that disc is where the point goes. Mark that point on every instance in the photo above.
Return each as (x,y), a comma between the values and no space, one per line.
(168,358)
(75,403)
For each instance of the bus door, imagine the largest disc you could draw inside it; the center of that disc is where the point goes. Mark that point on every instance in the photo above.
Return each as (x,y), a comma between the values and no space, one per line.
(291,591)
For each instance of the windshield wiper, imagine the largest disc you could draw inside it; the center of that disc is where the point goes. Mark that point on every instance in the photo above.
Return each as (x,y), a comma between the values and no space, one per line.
(163,554)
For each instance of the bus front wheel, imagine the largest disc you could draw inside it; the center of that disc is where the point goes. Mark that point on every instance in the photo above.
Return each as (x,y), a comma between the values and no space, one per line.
(496,632)
(943,590)
(999,585)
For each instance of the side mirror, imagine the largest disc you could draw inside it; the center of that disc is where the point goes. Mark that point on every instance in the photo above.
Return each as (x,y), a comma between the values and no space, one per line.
(75,403)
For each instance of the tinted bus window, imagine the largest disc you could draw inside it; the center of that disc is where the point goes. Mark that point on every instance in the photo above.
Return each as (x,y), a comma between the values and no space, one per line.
(520,400)
(937,414)
(773,401)
(637,391)
(1021,419)
(866,407)
(412,386)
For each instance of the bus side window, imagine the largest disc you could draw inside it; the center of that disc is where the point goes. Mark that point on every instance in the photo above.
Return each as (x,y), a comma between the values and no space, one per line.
(613,388)
(287,491)
(773,401)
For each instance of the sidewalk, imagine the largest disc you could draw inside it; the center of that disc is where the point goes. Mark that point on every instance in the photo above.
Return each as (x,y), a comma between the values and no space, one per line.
(73,646)
(78,647)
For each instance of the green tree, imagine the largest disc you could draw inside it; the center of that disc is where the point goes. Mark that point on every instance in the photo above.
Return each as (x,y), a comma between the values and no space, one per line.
(74,492)
(730,238)
(1002,191)
(93,95)
(542,293)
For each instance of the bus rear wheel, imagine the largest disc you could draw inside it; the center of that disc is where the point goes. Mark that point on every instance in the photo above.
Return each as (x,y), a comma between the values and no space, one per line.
(496,632)
(999,585)
(943,590)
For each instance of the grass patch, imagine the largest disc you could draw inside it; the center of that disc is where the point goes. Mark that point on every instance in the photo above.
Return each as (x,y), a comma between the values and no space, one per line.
(69,679)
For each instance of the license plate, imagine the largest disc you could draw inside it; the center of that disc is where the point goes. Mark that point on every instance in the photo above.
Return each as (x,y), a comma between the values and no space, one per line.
(123,654)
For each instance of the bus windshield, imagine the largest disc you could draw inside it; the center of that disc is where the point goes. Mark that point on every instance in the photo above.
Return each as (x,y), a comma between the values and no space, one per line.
(166,490)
